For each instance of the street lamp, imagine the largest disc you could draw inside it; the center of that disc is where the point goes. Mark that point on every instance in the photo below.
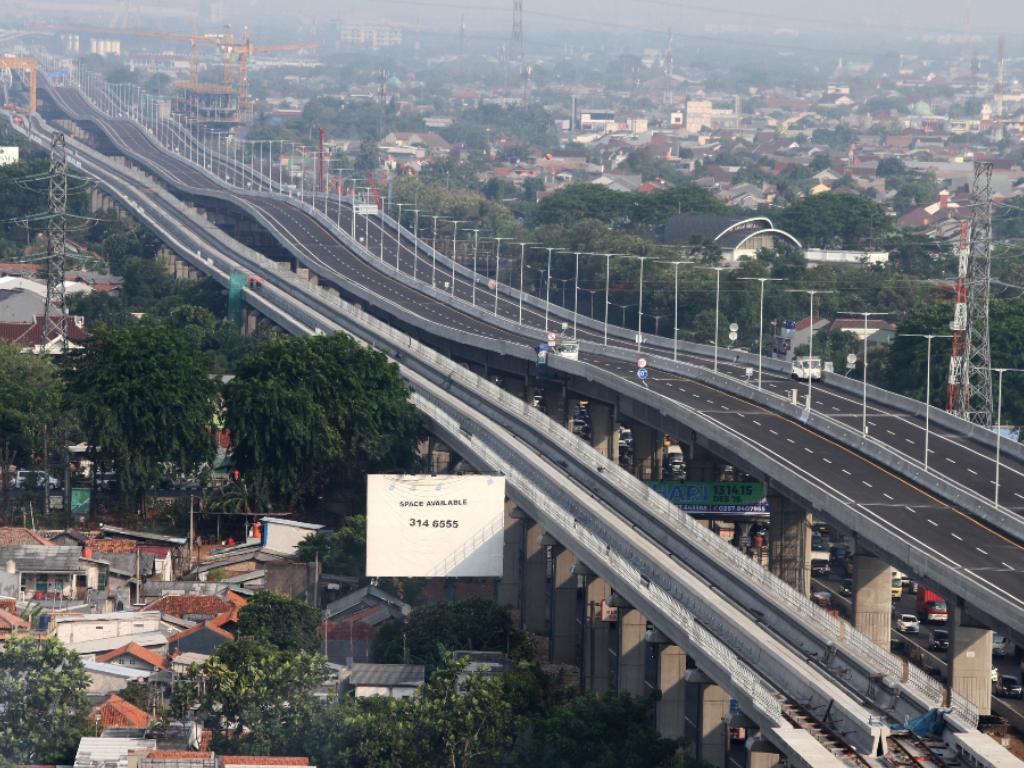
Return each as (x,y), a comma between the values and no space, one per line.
(544,273)
(810,353)
(640,305)
(928,388)
(591,291)
(522,271)
(999,422)
(675,335)
(547,295)
(718,293)
(497,270)
(865,371)
(415,241)
(607,290)
(433,255)
(455,246)
(476,248)
(760,338)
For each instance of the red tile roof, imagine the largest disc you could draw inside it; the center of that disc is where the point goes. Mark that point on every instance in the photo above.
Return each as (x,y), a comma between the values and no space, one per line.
(166,754)
(248,760)
(113,546)
(29,334)
(184,606)
(10,537)
(224,618)
(115,712)
(136,650)
(8,621)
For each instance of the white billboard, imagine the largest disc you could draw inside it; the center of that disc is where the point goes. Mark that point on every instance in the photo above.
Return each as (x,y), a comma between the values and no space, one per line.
(430,525)
(8,155)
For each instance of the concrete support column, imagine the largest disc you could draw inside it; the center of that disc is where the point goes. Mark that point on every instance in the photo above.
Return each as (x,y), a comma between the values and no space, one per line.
(478,369)
(761,753)
(510,586)
(970,659)
(670,711)
(643,451)
(790,542)
(555,400)
(572,402)
(658,457)
(515,387)
(535,580)
(563,609)
(632,676)
(596,671)
(602,426)
(712,735)
(702,465)
(872,598)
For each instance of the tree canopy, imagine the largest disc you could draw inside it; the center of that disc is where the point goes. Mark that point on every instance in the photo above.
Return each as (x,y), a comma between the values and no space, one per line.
(625,209)
(303,410)
(43,707)
(146,402)
(280,621)
(30,395)
(830,220)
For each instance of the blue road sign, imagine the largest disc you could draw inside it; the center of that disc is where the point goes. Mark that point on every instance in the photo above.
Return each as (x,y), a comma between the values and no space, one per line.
(642,373)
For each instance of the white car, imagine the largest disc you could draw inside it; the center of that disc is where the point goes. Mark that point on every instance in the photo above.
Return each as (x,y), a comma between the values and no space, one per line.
(908,624)
(30,478)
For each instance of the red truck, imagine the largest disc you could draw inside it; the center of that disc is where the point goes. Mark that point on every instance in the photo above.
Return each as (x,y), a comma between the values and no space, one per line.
(930,607)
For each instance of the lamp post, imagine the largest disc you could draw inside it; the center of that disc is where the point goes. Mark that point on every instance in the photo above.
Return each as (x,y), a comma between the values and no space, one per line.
(640,305)
(547,294)
(718,294)
(476,249)
(455,246)
(928,387)
(865,371)
(999,422)
(576,298)
(398,237)
(810,329)
(544,273)
(675,327)
(497,270)
(433,255)
(760,338)
(522,273)
(415,241)
(591,291)
(607,290)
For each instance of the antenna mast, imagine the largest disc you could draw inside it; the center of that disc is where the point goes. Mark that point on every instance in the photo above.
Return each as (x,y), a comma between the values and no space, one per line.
(55,311)
(666,97)
(999,92)
(974,393)
(515,48)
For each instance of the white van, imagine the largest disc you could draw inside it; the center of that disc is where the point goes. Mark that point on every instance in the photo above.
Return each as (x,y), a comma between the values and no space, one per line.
(31,478)
(569,348)
(806,368)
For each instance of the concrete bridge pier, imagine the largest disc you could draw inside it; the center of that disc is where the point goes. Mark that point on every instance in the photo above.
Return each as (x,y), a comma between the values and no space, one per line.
(670,711)
(604,437)
(711,735)
(631,676)
(872,598)
(515,387)
(595,669)
(702,465)
(789,538)
(535,579)
(564,628)
(970,658)
(510,586)
(648,450)
(761,753)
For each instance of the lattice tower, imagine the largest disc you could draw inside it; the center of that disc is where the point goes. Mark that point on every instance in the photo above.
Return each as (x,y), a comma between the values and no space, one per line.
(55,312)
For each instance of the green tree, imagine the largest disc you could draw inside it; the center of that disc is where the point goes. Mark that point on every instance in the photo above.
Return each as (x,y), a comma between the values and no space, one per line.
(833,346)
(43,707)
(252,685)
(280,621)
(474,624)
(890,166)
(368,158)
(343,554)
(829,220)
(30,395)
(146,402)
(305,409)
(820,162)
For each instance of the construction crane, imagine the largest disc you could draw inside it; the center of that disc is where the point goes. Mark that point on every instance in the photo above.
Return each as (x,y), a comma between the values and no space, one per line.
(376,191)
(24,64)
(245,50)
(120,18)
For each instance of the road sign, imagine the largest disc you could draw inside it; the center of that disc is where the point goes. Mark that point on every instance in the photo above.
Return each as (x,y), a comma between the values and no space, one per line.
(641,363)
(744,541)
(733,336)
(851,359)
(733,327)
(642,373)
(552,337)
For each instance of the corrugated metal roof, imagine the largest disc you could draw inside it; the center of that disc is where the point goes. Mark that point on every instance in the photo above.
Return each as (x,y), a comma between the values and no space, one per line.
(43,558)
(293,523)
(142,535)
(107,753)
(117,670)
(409,675)
(145,639)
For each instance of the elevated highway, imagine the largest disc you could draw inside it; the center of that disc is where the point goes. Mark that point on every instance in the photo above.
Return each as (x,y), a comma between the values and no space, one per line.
(897,515)
(766,645)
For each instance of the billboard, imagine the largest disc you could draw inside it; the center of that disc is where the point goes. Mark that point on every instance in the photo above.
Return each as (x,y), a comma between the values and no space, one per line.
(715,499)
(431,526)
(8,155)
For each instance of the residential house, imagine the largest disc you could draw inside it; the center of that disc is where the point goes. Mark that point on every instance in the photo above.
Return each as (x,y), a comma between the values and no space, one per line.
(98,752)
(115,712)
(283,536)
(111,678)
(81,628)
(395,681)
(166,758)
(29,334)
(221,609)
(11,624)
(135,656)
(352,621)
(49,572)
(858,327)
(203,638)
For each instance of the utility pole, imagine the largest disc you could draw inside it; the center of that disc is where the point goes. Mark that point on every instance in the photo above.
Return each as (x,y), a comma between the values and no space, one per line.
(382,104)
(515,47)
(666,96)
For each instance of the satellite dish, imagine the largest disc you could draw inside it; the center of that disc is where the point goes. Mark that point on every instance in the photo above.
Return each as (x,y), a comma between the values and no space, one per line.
(733,327)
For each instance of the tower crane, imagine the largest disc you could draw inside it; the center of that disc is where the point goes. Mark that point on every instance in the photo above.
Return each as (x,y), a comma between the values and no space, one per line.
(245,50)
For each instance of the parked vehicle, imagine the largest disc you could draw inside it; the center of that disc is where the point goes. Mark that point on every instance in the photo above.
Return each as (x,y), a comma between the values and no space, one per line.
(1008,687)
(930,607)
(32,478)
(908,624)
(820,566)
(106,479)
(939,640)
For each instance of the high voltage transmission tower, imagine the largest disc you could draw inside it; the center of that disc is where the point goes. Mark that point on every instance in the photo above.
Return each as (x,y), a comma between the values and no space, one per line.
(970,374)
(55,312)
(515,47)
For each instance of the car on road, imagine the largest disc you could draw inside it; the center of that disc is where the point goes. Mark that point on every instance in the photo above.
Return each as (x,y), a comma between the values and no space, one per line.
(999,644)
(908,624)
(820,566)
(939,640)
(1008,687)
(847,588)
(31,478)
(837,553)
